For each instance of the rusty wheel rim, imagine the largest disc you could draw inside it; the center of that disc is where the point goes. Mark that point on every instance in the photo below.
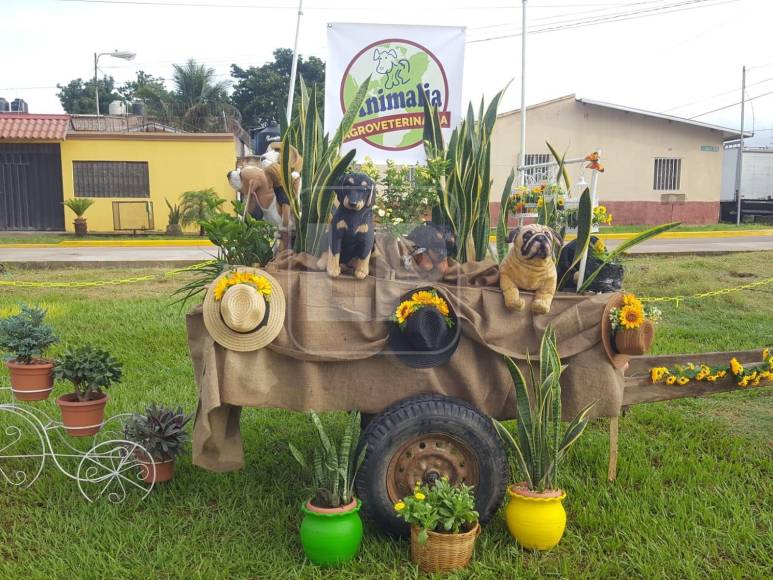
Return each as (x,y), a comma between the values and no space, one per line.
(427,458)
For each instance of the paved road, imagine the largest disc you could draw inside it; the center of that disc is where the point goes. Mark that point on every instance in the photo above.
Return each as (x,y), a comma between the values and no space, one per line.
(198,253)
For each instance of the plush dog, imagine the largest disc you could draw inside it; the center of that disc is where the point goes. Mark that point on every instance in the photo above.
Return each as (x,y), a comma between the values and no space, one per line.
(529,266)
(433,245)
(351,230)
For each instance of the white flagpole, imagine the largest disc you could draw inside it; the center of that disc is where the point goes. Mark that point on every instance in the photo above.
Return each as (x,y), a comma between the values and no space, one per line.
(522,161)
(294,68)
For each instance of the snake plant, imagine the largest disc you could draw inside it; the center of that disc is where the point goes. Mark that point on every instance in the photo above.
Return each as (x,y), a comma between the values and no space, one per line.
(333,468)
(540,443)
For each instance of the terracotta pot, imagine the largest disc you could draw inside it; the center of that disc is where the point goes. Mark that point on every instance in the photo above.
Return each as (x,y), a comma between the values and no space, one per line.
(443,552)
(164,470)
(32,382)
(82,418)
(81,229)
(635,341)
(174,230)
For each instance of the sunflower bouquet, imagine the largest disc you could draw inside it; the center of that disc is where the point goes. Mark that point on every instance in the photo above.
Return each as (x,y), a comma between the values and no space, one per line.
(749,376)
(632,314)
(259,282)
(417,301)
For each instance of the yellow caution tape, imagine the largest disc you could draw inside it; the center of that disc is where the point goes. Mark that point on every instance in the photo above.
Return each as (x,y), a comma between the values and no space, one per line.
(720,292)
(96,283)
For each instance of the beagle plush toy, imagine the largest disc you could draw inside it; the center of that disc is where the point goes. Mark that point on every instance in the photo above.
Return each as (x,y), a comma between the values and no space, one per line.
(530,266)
(351,230)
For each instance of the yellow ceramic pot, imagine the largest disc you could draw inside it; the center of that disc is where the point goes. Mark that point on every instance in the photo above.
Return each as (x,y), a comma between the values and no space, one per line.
(536,520)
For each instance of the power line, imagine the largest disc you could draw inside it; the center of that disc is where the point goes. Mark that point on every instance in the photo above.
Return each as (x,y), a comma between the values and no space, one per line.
(729,106)
(717,95)
(292,7)
(621,16)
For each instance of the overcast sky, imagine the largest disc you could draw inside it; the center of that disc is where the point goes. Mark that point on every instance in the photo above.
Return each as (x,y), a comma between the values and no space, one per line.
(666,56)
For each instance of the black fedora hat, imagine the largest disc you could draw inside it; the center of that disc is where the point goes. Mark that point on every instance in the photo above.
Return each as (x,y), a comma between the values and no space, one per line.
(424,330)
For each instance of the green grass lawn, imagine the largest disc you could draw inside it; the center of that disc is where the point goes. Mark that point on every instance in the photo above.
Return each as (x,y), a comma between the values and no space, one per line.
(613,229)
(693,498)
(55,238)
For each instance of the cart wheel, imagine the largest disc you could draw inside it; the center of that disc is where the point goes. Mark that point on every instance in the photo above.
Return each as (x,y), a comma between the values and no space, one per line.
(423,439)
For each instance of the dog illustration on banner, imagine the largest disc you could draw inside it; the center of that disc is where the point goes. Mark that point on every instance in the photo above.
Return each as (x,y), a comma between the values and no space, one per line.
(393,67)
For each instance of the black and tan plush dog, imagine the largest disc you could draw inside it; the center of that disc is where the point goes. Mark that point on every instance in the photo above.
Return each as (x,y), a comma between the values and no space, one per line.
(530,266)
(351,231)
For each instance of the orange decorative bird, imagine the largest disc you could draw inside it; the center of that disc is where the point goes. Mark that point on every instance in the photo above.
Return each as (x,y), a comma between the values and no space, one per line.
(594,162)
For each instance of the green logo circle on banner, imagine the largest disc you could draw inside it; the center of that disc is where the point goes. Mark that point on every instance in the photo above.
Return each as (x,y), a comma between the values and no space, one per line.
(404,75)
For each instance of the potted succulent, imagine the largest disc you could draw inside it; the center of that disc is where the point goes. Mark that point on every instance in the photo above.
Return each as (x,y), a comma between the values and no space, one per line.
(535,515)
(175,214)
(331,531)
(79,205)
(444,525)
(90,370)
(162,432)
(633,325)
(25,336)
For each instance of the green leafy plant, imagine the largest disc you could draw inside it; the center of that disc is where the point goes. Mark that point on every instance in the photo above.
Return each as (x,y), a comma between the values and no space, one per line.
(90,369)
(161,430)
(26,335)
(323,166)
(505,207)
(539,445)
(175,213)
(78,205)
(443,508)
(198,206)
(240,242)
(333,467)
(464,175)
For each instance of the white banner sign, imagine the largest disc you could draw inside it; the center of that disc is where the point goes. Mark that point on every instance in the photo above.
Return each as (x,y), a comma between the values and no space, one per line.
(408,66)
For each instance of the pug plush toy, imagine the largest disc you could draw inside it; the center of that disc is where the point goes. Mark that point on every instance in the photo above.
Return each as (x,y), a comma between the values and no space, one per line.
(351,230)
(530,266)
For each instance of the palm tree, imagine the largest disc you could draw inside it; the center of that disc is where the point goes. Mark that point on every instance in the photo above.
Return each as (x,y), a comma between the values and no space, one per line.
(198,206)
(197,93)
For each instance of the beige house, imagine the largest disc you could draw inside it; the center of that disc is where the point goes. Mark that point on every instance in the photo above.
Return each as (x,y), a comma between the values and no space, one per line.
(658,168)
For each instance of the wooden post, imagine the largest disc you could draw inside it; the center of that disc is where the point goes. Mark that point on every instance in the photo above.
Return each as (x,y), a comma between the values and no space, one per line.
(613,426)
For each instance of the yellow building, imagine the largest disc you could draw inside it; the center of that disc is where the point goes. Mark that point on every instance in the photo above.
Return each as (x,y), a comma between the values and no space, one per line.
(128,174)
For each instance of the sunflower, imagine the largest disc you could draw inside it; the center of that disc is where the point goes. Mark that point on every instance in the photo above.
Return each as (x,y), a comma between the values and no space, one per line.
(599,246)
(404,310)
(683,380)
(560,203)
(631,317)
(736,367)
(657,373)
(441,305)
(670,380)
(424,297)
(540,202)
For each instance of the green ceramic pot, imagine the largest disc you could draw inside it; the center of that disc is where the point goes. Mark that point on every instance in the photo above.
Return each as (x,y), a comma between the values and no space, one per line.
(331,536)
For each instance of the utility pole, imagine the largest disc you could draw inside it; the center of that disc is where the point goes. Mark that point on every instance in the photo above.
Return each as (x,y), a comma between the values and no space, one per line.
(522,160)
(294,68)
(739,162)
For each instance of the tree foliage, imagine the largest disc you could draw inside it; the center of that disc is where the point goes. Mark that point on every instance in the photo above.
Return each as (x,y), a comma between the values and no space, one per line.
(260,93)
(77,96)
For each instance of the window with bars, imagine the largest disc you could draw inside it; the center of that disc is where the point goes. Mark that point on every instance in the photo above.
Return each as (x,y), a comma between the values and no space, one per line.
(111,178)
(537,172)
(667,174)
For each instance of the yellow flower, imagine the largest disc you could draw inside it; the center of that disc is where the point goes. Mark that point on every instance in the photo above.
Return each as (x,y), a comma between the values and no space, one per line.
(671,380)
(657,373)
(540,202)
(721,374)
(423,297)
(560,203)
(403,311)
(599,246)
(400,506)
(419,496)
(683,380)
(608,221)
(441,305)
(701,375)
(736,367)
(711,378)
(765,355)
(631,317)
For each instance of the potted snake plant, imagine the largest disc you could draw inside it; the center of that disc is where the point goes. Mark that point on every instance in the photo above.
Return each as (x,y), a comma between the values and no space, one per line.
(25,336)
(90,370)
(535,514)
(331,530)
(162,432)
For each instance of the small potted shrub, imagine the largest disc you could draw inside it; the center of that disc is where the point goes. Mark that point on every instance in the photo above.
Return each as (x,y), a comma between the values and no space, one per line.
(175,214)
(90,370)
(79,205)
(633,325)
(444,525)
(162,432)
(331,531)
(25,336)
(535,514)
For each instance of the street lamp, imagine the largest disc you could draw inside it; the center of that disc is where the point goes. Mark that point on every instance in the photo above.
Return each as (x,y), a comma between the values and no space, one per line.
(124,54)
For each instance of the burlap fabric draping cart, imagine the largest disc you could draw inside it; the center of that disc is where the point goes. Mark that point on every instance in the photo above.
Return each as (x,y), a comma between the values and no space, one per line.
(332,353)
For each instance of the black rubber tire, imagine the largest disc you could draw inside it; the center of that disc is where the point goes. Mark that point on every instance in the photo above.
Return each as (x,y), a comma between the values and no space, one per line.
(412,417)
